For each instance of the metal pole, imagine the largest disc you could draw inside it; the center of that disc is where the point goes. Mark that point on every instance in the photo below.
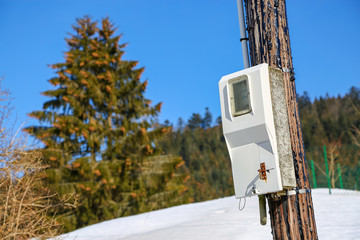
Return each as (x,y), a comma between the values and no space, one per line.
(243,37)
(340,178)
(327,169)
(262,209)
(313,173)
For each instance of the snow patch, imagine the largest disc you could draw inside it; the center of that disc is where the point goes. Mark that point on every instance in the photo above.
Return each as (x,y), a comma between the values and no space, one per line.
(337,217)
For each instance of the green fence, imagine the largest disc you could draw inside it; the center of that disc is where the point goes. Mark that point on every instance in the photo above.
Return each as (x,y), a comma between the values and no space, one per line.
(340,172)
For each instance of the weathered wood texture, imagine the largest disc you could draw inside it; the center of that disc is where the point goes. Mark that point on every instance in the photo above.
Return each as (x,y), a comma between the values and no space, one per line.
(291,217)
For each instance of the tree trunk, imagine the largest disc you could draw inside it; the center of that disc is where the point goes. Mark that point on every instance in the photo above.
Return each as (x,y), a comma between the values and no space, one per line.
(292,217)
(332,169)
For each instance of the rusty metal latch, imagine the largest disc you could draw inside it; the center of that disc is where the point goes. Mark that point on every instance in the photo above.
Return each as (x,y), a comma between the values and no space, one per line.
(262,171)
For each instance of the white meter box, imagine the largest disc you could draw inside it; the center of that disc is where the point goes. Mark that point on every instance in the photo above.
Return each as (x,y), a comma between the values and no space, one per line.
(256,130)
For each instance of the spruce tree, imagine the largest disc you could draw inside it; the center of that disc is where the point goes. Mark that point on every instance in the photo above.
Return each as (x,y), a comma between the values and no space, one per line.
(99,132)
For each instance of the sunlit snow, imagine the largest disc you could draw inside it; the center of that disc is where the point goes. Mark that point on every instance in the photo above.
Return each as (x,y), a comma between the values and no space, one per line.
(337,217)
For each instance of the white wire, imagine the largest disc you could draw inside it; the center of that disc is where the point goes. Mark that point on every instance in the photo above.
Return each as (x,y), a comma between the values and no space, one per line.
(242,208)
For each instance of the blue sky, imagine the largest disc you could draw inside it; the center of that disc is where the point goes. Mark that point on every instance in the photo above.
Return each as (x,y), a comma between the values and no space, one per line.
(186,46)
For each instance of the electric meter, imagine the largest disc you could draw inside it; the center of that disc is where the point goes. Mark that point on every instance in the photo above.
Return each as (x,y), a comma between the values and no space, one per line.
(256,130)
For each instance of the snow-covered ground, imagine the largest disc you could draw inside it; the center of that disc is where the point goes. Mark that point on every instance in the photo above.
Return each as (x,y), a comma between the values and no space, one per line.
(337,217)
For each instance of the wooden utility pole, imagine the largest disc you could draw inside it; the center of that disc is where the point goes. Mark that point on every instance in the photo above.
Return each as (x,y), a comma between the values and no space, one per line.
(292,217)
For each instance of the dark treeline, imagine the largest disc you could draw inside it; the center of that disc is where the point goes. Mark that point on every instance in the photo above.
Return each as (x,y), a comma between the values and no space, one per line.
(329,121)
(202,147)
(333,122)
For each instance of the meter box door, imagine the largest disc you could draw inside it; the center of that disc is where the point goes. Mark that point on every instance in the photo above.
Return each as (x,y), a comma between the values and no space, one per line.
(256,130)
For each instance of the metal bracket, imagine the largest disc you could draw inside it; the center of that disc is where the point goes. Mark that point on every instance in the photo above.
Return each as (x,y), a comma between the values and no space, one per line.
(297,191)
(291,71)
(289,192)
(286,70)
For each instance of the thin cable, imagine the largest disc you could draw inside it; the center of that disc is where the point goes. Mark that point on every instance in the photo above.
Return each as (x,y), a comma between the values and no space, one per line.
(242,208)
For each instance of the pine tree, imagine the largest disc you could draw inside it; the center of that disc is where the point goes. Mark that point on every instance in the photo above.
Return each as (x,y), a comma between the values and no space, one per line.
(207,119)
(99,133)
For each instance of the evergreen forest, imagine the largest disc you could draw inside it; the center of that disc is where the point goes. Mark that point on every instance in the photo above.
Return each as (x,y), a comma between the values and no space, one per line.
(333,122)
(102,141)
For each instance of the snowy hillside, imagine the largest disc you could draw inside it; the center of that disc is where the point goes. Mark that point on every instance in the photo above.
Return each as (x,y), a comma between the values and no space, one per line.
(337,217)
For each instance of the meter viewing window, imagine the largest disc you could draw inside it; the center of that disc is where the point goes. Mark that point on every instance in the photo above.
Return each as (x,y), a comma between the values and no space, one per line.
(239,96)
